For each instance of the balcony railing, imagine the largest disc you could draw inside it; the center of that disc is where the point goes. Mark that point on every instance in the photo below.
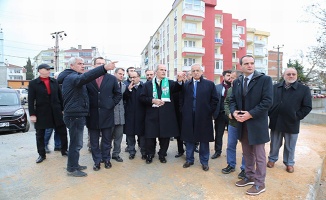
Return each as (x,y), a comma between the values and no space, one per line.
(193,33)
(219,56)
(218,26)
(260,42)
(218,71)
(193,50)
(218,41)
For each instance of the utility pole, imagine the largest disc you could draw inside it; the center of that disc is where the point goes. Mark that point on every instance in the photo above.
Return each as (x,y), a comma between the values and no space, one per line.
(278,60)
(56,36)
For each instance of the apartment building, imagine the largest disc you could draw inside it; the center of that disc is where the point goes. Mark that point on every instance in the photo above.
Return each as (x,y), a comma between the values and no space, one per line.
(275,60)
(194,32)
(15,72)
(48,57)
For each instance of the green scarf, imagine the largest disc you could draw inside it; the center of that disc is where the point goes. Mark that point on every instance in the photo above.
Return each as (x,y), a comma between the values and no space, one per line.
(165,90)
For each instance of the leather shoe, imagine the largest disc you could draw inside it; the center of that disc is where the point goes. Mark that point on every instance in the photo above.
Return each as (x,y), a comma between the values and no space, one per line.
(40,159)
(149,159)
(107,164)
(144,157)
(228,169)
(215,155)
(162,159)
(290,169)
(118,159)
(97,167)
(187,164)
(270,164)
(178,155)
(205,167)
(131,156)
(64,153)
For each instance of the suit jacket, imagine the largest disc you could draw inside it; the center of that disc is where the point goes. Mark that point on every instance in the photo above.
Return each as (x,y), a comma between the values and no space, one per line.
(47,108)
(258,100)
(160,121)
(199,128)
(289,107)
(219,89)
(102,102)
(119,109)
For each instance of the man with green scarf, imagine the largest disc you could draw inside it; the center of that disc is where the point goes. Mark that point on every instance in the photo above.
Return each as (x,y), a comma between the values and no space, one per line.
(160,120)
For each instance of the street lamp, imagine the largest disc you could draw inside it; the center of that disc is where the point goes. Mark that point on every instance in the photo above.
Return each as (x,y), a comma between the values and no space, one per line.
(56,36)
(278,60)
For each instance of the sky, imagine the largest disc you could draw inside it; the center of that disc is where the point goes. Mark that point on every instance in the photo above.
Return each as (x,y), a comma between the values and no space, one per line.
(122,29)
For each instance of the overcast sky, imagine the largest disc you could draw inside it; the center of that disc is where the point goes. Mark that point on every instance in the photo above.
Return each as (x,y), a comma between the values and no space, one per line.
(121,29)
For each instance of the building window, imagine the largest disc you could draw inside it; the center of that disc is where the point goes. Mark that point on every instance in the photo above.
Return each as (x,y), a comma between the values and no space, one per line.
(189,61)
(189,43)
(241,30)
(219,64)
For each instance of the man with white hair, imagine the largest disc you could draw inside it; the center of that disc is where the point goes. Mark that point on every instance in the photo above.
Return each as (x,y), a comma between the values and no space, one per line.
(76,106)
(291,103)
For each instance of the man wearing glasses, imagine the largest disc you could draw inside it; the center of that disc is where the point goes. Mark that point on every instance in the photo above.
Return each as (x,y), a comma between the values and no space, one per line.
(291,103)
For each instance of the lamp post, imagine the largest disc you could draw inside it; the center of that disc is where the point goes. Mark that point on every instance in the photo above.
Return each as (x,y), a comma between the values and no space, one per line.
(56,36)
(278,60)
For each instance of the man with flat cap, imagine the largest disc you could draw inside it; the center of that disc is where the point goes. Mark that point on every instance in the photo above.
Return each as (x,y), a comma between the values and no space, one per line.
(45,107)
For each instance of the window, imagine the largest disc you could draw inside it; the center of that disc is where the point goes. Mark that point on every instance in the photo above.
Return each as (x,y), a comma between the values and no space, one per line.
(241,30)
(191,27)
(189,43)
(189,61)
(219,64)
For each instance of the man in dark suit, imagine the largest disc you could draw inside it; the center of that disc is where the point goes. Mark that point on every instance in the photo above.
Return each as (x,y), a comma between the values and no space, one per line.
(104,93)
(134,116)
(198,102)
(160,120)
(45,107)
(249,103)
(291,103)
(220,119)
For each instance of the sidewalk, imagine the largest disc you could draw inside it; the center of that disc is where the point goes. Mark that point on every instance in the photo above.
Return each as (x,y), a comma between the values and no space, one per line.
(22,178)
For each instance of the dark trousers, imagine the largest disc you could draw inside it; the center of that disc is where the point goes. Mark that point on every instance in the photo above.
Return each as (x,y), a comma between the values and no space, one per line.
(40,142)
(151,145)
(131,140)
(180,145)
(40,133)
(102,153)
(220,122)
(203,152)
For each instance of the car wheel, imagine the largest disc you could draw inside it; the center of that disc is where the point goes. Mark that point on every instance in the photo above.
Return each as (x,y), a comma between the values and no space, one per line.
(26,128)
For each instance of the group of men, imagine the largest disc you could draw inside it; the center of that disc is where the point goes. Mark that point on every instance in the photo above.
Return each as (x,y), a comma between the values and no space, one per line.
(161,109)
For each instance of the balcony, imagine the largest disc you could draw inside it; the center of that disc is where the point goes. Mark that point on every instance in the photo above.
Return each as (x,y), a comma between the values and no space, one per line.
(193,33)
(249,52)
(186,68)
(218,26)
(193,51)
(189,14)
(218,71)
(260,43)
(235,46)
(218,56)
(235,60)
(260,54)
(218,41)
(250,40)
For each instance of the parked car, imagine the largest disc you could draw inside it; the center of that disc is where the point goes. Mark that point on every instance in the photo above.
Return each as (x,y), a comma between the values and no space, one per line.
(13,116)
(23,94)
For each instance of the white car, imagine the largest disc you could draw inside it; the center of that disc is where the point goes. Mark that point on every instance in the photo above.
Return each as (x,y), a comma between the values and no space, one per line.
(23,94)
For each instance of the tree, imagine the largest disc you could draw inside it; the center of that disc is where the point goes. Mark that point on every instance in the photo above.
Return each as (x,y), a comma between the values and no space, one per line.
(29,70)
(301,76)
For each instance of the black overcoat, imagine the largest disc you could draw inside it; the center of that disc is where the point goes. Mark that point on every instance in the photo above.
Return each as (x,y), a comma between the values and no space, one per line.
(289,107)
(47,108)
(258,100)
(134,111)
(102,102)
(198,127)
(160,121)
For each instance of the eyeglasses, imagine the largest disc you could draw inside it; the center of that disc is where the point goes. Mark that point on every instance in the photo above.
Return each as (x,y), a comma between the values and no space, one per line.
(289,74)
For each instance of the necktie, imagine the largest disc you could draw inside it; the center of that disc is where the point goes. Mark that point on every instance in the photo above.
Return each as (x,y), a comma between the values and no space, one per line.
(245,86)
(195,89)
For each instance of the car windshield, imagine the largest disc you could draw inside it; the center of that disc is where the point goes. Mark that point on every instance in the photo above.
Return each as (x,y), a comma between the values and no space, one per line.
(8,99)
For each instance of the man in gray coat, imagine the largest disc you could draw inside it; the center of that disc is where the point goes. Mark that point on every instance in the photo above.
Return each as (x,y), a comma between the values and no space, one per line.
(119,118)
(249,104)
(291,103)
